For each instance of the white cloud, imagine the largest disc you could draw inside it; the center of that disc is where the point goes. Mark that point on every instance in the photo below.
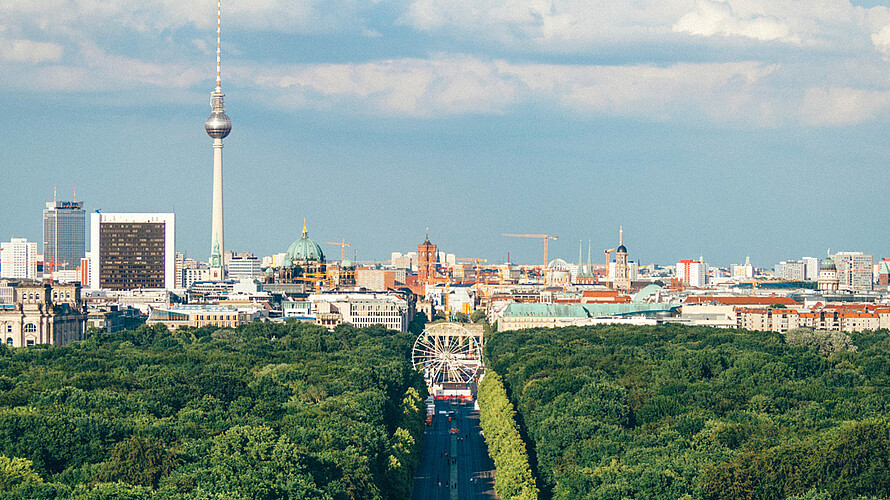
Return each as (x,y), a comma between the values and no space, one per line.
(730,92)
(708,18)
(881,40)
(842,106)
(413,87)
(29,51)
(559,25)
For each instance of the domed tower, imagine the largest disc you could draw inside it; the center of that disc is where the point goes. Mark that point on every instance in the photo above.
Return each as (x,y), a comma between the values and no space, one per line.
(621,279)
(304,251)
(304,260)
(218,126)
(828,281)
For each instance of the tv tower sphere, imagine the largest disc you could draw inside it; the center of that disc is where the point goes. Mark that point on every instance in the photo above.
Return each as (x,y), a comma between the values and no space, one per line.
(218,125)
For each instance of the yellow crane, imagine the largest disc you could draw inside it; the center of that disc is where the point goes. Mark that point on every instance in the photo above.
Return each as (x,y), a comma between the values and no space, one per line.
(545,237)
(342,246)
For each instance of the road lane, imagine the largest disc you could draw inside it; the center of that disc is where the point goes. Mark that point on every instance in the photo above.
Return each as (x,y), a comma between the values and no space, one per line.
(474,471)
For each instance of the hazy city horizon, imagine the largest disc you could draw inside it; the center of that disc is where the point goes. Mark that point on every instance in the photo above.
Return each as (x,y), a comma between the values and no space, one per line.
(726,133)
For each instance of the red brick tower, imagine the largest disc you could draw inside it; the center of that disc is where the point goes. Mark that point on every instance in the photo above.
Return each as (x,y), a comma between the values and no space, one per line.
(426,260)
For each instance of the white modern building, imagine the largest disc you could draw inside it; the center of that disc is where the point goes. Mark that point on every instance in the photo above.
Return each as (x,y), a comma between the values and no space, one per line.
(791,270)
(855,271)
(693,272)
(812,268)
(18,259)
(244,267)
(132,251)
(361,309)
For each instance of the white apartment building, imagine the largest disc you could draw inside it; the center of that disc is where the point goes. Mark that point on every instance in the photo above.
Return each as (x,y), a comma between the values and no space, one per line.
(792,270)
(812,268)
(692,272)
(18,259)
(244,267)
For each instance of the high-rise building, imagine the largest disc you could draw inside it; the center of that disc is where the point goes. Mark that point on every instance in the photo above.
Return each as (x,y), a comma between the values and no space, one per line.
(745,270)
(18,259)
(218,125)
(812,268)
(855,271)
(132,251)
(693,272)
(244,266)
(64,235)
(792,270)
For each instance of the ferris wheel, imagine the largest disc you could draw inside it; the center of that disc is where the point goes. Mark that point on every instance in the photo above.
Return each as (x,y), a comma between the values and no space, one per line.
(448,352)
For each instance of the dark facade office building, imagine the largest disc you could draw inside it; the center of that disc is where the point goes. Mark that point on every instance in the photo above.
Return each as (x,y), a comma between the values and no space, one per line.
(135,251)
(64,235)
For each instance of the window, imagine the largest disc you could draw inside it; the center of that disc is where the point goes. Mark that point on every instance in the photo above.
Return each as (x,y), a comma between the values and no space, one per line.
(9,341)
(8,328)
(30,342)
(30,328)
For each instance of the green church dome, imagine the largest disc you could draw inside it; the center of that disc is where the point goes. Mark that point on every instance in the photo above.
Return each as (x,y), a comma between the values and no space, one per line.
(304,250)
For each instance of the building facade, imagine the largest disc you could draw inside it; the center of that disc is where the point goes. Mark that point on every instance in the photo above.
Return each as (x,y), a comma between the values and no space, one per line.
(132,251)
(620,278)
(18,259)
(791,270)
(427,257)
(244,266)
(692,272)
(64,235)
(43,313)
(855,271)
(393,311)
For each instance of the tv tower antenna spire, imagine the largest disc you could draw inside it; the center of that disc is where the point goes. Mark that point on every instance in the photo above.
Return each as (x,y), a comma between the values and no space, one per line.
(218,125)
(218,30)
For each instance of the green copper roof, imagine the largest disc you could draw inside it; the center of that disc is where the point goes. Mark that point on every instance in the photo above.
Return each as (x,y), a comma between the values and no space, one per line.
(304,250)
(584,311)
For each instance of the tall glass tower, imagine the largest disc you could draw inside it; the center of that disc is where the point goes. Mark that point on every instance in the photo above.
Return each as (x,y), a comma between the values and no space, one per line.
(64,235)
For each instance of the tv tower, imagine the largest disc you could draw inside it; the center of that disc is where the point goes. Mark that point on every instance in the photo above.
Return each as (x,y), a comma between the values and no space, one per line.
(218,126)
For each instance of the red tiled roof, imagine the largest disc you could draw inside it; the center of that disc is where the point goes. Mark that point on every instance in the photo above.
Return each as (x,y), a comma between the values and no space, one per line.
(733,300)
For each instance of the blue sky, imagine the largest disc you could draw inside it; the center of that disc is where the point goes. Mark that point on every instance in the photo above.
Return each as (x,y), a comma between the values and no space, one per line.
(723,129)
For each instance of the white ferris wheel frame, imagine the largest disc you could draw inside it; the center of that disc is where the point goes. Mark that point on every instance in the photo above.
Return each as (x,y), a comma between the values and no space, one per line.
(447,352)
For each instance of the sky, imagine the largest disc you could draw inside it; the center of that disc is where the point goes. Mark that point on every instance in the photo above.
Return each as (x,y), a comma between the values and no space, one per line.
(721,129)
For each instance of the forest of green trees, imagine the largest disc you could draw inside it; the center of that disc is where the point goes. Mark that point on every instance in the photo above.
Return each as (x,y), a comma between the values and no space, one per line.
(265,411)
(673,412)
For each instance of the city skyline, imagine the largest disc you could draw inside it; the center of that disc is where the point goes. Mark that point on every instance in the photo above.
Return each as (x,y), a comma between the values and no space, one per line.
(715,128)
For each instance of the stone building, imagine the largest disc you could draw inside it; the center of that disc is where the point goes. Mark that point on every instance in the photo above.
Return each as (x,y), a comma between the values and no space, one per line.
(43,313)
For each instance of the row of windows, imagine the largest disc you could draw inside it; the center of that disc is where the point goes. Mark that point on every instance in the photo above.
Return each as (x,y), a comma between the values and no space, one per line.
(28,342)
(29,328)
(202,317)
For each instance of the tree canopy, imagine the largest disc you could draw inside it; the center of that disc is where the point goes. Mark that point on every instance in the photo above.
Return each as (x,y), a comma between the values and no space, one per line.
(264,411)
(670,412)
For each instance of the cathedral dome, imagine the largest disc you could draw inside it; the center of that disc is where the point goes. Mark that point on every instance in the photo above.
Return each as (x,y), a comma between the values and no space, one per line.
(304,250)
(621,249)
(828,265)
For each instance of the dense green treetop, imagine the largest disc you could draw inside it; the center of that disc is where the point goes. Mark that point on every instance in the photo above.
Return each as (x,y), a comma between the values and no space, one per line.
(669,412)
(265,411)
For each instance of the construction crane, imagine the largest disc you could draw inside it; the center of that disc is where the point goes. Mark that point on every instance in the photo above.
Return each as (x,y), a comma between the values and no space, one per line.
(342,246)
(545,237)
